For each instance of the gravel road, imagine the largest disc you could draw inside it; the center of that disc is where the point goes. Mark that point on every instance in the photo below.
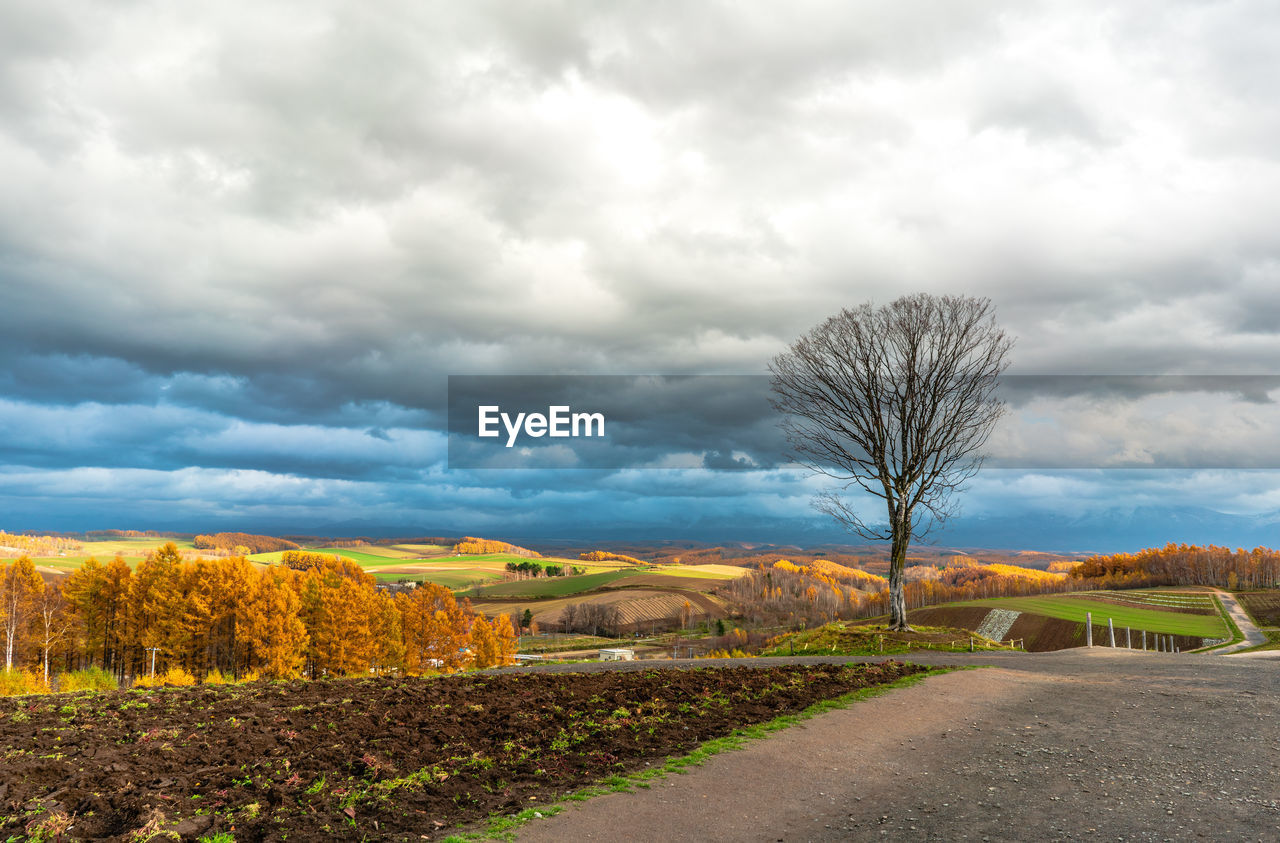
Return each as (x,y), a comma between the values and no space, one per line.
(1078,744)
(1252,635)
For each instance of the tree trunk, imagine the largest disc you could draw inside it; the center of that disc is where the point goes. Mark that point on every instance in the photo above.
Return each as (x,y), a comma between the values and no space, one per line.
(898,561)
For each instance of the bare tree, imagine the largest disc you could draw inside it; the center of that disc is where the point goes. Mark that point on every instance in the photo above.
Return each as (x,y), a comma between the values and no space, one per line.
(895,400)
(51,608)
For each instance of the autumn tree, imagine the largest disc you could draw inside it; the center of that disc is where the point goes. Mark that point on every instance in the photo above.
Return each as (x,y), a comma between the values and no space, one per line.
(339,611)
(20,587)
(52,622)
(153,613)
(269,626)
(505,637)
(484,645)
(435,628)
(226,587)
(895,401)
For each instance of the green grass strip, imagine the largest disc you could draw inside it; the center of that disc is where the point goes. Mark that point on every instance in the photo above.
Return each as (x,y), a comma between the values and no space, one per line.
(503,827)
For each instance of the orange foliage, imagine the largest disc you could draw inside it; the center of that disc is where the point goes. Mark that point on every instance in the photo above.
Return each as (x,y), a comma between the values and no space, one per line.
(471,546)
(607,556)
(227,616)
(1181,564)
(248,542)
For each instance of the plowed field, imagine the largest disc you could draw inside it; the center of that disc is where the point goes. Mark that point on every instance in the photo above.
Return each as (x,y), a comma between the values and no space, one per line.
(374,759)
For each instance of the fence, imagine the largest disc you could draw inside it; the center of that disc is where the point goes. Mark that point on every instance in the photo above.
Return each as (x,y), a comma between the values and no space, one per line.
(1160,642)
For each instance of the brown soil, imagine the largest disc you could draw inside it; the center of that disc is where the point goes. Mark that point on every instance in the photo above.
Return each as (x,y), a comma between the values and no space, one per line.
(369,759)
(956,617)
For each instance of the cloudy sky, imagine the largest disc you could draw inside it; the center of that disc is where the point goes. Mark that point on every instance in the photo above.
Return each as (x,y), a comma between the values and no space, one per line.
(244,244)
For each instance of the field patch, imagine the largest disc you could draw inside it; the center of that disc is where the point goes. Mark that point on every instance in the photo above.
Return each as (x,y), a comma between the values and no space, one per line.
(551,586)
(1038,633)
(636,606)
(414,758)
(1073,608)
(1263,606)
(421,550)
(452,578)
(718,572)
(854,639)
(666,580)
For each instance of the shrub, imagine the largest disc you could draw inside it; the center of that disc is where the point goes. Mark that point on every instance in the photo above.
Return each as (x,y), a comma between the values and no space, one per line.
(248,676)
(92,679)
(172,676)
(15,683)
(215,677)
(178,676)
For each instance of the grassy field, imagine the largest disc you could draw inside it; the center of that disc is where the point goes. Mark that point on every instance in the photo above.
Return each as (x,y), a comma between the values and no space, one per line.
(1073,608)
(707,572)
(436,564)
(420,550)
(551,586)
(451,578)
(846,639)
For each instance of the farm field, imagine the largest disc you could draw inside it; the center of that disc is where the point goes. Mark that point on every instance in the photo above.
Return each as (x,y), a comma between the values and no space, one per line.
(1072,607)
(697,577)
(850,639)
(710,572)
(1264,606)
(449,577)
(132,550)
(550,586)
(636,606)
(423,550)
(416,758)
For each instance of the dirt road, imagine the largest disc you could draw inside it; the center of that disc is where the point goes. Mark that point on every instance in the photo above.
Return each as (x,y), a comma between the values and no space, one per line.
(1079,744)
(1252,635)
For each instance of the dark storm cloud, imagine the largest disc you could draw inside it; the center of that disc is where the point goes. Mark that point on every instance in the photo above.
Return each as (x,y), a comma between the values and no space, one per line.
(243,238)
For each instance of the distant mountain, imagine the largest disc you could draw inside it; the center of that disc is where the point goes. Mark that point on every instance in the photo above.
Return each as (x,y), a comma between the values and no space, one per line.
(1116,530)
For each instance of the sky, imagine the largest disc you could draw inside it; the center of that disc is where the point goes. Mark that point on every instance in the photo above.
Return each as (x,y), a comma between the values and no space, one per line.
(244,245)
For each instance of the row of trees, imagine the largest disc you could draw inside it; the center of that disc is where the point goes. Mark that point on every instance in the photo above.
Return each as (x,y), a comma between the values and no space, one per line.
(810,595)
(18,544)
(1182,564)
(531,568)
(472,546)
(608,556)
(204,615)
(242,543)
(591,619)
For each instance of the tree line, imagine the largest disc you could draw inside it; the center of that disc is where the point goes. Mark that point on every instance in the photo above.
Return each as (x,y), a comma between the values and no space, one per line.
(324,617)
(787,594)
(242,543)
(1183,564)
(530,568)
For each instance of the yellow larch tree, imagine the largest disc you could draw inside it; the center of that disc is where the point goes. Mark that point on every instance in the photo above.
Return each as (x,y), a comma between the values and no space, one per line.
(270,627)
